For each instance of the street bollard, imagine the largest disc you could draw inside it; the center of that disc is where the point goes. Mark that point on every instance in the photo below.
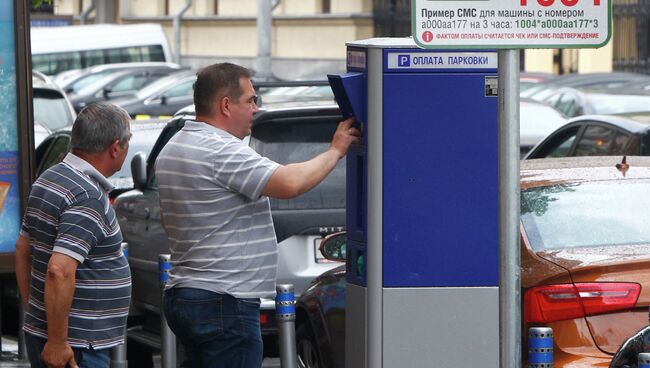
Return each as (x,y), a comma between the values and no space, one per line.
(540,347)
(118,353)
(167,337)
(285,312)
(644,360)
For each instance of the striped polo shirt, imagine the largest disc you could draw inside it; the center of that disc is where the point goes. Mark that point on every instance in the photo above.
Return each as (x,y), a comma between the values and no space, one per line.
(219,224)
(68,212)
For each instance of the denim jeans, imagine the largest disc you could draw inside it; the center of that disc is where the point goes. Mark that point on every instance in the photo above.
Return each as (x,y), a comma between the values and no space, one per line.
(216,330)
(85,358)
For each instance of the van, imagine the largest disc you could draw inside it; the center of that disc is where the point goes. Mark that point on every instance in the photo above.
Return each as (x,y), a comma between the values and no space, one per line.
(59,49)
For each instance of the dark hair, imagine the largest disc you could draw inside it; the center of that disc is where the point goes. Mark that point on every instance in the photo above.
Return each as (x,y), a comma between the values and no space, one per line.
(98,125)
(217,81)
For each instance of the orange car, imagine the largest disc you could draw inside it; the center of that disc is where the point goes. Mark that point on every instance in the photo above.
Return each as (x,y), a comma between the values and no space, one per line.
(585,254)
(585,264)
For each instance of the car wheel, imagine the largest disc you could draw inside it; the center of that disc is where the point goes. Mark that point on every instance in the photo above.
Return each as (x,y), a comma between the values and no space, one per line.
(306,347)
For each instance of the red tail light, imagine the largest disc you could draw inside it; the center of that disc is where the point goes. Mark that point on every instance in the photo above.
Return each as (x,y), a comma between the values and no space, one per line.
(111,200)
(561,302)
(263,318)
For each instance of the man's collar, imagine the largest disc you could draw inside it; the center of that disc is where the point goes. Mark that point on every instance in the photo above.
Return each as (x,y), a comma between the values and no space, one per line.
(83,166)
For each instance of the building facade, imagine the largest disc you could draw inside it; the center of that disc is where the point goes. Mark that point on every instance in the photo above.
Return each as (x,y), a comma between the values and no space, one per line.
(308,36)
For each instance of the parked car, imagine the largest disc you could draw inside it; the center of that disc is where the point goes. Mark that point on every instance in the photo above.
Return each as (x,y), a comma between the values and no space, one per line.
(120,84)
(54,148)
(283,134)
(542,90)
(574,102)
(598,135)
(163,97)
(52,109)
(73,80)
(536,121)
(585,250)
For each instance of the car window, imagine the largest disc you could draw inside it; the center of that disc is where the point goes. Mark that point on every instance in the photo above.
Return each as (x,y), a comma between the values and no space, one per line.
(596,140)
(51,110)
(619,144)
(141,141)
(130,83)
(558,145)
(56,153)
(580,215)
(289,141)
(567,104)
(183,89)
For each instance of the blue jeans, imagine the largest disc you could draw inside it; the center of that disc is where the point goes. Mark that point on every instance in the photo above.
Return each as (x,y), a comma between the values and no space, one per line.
(85,358)
(216,330)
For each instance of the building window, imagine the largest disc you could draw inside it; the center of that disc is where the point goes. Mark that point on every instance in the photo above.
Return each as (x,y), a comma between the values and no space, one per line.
(326,7)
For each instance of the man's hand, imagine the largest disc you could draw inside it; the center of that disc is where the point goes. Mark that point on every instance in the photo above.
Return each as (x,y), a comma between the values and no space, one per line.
(344,136)
(58,354)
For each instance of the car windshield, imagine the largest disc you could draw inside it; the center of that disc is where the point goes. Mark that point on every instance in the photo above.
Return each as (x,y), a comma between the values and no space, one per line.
(290,142)
(613,104)
(605,213)
(51,111)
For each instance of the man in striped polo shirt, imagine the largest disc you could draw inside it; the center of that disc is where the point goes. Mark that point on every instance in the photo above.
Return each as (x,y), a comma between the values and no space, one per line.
(214,193)
(74,280)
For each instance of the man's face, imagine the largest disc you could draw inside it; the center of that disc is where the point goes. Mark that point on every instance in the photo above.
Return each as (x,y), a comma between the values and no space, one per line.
(243,109)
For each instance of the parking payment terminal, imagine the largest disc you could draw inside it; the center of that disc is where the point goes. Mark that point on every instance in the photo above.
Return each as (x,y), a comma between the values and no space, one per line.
(422,206)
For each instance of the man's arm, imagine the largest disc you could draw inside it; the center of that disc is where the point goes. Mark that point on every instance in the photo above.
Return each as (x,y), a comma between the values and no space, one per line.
(59,290)
(23,268)
(295,179)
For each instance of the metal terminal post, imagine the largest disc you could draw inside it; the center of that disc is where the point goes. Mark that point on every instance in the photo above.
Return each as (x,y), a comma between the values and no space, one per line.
(167,337)
(118,353)
(285,312)
(540,347)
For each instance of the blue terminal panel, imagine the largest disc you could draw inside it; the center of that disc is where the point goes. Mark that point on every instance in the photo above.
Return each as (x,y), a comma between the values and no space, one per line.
(440,190)
(350,93)
(357,193)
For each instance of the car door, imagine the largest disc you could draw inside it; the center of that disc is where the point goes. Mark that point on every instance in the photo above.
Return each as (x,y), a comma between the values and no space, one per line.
(52,151)
(138,212)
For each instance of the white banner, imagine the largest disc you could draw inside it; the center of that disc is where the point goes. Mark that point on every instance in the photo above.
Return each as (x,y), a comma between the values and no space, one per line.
(511,23)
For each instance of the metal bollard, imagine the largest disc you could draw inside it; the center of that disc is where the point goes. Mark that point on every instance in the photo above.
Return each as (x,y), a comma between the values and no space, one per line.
(285,312)
(540,347)
(644,360)
(167,337)
(118,353)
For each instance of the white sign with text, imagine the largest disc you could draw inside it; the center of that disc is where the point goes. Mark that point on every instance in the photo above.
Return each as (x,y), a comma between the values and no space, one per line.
(511,23)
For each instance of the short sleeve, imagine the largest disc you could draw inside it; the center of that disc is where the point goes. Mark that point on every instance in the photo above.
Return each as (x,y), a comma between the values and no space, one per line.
(240,169)
(81,226)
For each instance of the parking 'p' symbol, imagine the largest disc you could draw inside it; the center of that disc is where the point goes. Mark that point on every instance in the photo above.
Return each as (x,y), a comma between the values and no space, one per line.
(404,60)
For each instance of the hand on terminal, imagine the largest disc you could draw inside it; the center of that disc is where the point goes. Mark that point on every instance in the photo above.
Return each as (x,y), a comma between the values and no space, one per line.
(344,136)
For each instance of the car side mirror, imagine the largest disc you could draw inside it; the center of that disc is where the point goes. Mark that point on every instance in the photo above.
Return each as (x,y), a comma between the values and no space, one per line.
(333,247)
(163,100)
(139,170)
(107,92)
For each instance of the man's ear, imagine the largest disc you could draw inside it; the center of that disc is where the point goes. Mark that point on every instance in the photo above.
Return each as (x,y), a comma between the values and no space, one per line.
(114,148)
(224,105)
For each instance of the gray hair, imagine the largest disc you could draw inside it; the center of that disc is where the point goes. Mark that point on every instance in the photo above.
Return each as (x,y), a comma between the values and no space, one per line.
(98,125)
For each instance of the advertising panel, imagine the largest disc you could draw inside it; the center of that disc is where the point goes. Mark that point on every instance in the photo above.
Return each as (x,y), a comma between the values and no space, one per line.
(9,157)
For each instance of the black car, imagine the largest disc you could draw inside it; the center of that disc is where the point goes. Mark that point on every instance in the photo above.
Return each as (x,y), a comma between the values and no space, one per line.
(284,134)
(598,135)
